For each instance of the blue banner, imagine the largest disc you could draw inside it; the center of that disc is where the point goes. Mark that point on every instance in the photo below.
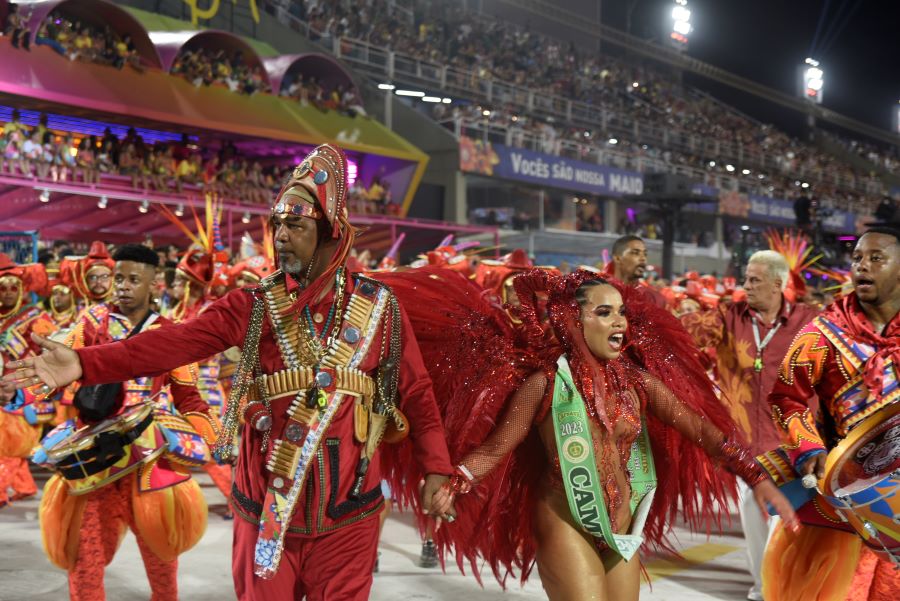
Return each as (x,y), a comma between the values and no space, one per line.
(497,160)
(782,212)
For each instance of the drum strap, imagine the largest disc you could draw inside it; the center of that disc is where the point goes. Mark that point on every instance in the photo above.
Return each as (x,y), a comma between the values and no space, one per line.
(109,447)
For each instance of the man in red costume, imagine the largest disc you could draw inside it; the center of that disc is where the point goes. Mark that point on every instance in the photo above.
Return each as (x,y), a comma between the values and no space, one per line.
(629,265)
(198,272)
(749,340)
(329,367)
(18,320)
(848,357)
(142,499)
(89,276)
(498,275)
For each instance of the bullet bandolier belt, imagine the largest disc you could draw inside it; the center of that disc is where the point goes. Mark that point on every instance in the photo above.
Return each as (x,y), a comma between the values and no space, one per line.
(319,375)
(288,382)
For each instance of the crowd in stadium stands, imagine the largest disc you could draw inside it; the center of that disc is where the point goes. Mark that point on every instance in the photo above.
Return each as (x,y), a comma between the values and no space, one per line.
(886,159)
(308,91)
(169,168)
(484,48)
(163,167)
(204,67)
(508,127)
(73,39)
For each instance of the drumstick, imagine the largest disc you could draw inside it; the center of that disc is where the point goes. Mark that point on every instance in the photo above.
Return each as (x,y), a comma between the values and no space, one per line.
(809,481)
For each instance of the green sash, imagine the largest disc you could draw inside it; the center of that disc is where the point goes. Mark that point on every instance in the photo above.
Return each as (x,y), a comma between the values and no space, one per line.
(581,477)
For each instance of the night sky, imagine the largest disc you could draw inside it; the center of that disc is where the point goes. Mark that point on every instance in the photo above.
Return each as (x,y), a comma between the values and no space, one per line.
(765,40)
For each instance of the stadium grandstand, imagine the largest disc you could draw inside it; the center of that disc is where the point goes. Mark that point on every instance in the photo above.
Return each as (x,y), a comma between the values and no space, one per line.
(486,137)
(540,136)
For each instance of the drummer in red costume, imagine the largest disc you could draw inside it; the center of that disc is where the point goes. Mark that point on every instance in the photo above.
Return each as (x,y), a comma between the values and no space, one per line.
(329,366)
(82,517)
(19,318)
(848,356)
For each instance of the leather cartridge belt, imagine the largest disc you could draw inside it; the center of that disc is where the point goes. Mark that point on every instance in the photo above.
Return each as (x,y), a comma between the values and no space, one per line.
(288,382)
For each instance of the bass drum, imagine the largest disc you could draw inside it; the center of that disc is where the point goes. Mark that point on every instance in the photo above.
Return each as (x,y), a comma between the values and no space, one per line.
(95,455)
(862,481)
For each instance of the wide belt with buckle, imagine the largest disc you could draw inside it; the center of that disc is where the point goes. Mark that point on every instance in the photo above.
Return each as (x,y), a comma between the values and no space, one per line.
(288,382)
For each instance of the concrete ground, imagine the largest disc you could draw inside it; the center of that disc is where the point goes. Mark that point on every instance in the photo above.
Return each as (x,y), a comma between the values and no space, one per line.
(714,568)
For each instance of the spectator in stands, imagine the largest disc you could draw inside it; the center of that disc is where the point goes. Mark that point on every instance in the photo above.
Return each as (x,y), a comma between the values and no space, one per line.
(211,173)
(129,163)
(87,161)
(14,124)
(84,46)
(126,54)
(17,28)
(65,159)
(12,153)
(376,196)
(32,154)
(188,172)
(162,168)
(45,163)
(106,157)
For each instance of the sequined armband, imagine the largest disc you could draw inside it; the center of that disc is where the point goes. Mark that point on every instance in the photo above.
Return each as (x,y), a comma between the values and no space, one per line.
(738,460)
(462,480)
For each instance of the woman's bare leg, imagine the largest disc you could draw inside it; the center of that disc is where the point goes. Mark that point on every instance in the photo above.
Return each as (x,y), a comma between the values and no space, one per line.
(570,567)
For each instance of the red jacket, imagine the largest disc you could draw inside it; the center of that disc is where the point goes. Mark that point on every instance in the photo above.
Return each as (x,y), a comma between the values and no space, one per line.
(324,504)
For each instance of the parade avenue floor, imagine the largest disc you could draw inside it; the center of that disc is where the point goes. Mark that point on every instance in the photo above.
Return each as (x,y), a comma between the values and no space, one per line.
(713,568)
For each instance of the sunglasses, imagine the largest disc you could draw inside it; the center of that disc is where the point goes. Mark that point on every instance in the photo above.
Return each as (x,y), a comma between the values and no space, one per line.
(4,288)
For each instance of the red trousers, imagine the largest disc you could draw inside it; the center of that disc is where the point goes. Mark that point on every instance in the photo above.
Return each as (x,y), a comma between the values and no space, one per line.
(875,579)
(330,567)
(14,473)
(107,513)
(221,477)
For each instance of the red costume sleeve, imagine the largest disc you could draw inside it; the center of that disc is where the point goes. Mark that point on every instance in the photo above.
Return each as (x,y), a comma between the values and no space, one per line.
(158,351)
(800,373)
(511,430)
(418,404)
(718,446)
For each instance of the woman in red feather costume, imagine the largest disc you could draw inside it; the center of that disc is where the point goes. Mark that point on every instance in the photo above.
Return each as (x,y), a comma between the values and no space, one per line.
(525,488)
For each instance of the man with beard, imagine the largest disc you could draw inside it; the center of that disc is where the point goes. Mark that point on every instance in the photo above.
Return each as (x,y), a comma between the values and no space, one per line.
(749,340)
(629,266)
(158,501)
(329,367)
(848,357)
(19,319)
(91,276)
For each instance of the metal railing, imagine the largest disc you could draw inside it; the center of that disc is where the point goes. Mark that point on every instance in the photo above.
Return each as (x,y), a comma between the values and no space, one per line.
(611,156)
(385,65)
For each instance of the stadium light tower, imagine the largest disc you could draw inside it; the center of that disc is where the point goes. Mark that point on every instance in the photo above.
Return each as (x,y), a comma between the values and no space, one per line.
(813,80)
(681,25)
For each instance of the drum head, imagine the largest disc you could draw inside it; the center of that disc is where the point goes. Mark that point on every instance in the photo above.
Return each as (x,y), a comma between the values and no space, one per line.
(867,455)
(83,438)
